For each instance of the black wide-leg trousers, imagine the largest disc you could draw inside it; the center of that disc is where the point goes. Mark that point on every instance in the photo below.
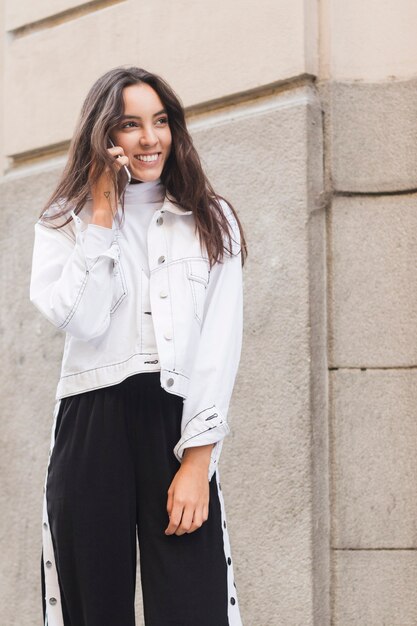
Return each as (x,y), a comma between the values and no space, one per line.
(109,472)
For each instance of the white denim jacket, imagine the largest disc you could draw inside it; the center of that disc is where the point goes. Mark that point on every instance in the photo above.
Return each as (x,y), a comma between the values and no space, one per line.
(82,278)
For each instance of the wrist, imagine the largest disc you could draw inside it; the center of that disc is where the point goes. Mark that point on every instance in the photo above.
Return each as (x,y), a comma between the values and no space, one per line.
(102,217)
(198,456)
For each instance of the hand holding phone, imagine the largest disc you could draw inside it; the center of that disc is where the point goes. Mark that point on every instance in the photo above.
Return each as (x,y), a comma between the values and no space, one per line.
(124,177)
(105,204)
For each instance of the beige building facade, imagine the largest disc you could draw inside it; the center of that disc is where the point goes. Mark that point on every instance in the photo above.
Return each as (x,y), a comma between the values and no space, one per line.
(305,116)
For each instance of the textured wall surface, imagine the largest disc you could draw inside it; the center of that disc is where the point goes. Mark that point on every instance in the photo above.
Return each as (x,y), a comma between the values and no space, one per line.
(372,41)
(375,587)
(373,130)
(370,146)
(204,54)
(374,435)
(374,281)
(30,349)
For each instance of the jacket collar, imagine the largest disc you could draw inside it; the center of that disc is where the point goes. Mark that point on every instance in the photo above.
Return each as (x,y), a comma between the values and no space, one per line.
(173,208)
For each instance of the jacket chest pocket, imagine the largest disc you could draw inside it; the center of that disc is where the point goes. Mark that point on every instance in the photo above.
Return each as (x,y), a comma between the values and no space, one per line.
(119,286)
(198,274)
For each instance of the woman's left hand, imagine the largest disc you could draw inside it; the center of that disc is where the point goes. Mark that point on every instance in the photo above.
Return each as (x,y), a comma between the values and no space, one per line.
(188,493)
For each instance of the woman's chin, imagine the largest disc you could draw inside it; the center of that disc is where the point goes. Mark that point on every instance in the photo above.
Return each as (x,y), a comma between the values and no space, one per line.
(145,177)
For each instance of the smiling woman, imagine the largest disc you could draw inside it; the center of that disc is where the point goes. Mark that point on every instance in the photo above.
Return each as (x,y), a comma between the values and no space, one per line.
(145,278)
(145,136)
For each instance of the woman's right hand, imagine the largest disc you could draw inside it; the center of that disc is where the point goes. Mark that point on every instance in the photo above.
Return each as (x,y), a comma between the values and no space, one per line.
(103,192)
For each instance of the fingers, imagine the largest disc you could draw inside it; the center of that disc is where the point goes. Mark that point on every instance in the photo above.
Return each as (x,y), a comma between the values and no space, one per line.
(186,522)
(188,500)
(174,519)
(197,521)
(200,516)
(117,151)
(186,519)
(119,155)
(121,161)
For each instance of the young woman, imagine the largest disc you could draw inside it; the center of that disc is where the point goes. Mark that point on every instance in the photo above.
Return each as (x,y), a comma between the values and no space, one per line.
(145,278)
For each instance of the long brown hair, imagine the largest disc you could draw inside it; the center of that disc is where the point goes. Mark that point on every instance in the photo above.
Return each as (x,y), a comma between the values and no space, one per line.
(183,177)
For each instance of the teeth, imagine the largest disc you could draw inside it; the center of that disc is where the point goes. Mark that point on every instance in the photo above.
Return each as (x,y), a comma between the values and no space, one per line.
(147,157)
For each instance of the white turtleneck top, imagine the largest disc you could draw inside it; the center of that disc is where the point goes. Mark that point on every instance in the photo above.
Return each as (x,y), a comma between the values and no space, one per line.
(141,200)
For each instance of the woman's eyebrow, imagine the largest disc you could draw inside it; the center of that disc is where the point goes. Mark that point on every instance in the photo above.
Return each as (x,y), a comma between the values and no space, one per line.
(137,117)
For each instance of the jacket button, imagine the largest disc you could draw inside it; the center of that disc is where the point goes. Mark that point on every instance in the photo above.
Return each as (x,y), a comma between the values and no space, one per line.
(161,259)
(45,526)
(168,335)
(52,601)
(163,294)
(48,564)
(160,221)
(170,382)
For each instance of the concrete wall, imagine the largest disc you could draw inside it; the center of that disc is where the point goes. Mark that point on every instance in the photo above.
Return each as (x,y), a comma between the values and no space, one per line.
(204,54)
(304,115)
(367,90)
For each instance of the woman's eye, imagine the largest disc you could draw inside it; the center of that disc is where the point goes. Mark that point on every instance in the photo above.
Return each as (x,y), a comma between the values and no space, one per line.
(162,121)
(129,125)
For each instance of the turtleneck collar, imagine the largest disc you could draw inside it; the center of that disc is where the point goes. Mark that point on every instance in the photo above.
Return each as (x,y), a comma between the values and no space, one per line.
(150,192)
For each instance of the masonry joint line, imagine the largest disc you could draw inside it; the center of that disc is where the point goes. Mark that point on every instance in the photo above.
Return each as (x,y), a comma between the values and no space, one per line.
(354,194)
(382,549)
(60,18)
(334,368)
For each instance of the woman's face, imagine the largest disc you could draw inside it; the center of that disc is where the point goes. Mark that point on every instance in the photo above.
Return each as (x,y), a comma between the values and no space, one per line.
(144,132)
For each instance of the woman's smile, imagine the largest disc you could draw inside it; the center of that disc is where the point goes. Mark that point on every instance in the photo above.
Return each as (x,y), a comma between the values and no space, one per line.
(149,161)
(148,158)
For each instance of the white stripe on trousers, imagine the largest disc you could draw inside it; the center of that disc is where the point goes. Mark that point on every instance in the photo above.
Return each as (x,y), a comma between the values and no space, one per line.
(233,612)
(54,615)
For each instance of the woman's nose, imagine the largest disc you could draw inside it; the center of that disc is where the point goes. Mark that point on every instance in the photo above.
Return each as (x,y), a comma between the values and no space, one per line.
(148,137)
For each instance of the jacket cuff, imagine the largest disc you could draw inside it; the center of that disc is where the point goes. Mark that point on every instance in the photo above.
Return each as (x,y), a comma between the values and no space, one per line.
(207,426)
(96,240)
(214,459)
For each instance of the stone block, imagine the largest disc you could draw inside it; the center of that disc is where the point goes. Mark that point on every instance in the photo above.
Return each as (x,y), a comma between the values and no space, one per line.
(375,588)
(374,465)
(372,136)
(373,282)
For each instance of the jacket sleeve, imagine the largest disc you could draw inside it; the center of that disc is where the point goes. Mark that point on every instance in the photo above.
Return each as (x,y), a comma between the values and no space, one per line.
(71,282)
(204,418)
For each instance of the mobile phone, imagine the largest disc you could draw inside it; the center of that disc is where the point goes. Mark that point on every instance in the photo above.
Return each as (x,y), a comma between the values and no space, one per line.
(123,177)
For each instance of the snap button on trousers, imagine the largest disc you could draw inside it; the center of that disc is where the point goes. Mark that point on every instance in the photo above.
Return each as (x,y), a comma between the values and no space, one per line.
(109,472)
